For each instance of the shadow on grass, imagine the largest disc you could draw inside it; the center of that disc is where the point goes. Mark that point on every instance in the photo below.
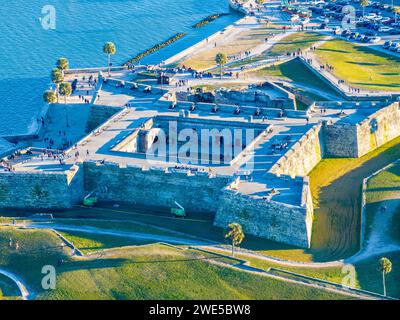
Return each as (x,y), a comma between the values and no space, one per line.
(363,63)
(336,229)
(332,50)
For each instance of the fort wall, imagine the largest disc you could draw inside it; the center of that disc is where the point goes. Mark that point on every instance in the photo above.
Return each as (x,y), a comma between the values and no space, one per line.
(268,219)
(197,192)
(40,190)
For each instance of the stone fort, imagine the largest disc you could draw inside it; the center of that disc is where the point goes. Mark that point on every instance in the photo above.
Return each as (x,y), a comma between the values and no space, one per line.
(259,181)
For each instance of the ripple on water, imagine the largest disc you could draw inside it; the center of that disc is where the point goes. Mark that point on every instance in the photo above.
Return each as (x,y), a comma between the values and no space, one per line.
(28,51)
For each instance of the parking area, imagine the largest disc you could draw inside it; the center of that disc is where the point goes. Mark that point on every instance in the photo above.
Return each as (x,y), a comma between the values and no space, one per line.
(377,19)
(377,23)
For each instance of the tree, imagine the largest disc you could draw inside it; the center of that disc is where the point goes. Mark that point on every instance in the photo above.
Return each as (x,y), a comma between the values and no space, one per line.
(221,59)
(396,11)
(62,64)
(57,77)
(65,90)
(260,2)
(363,4)
(49,97)
(235,234)
(385,266)
(109,49)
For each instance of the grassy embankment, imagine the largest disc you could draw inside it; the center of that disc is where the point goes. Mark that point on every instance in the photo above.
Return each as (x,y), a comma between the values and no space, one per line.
(295,72)
(243,41)
(146,272)
(360,66)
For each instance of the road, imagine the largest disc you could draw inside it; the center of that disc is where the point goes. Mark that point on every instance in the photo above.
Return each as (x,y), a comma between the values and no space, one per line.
(18,281)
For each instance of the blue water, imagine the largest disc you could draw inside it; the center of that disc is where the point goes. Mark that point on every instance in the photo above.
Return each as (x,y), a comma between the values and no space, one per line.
(28,52)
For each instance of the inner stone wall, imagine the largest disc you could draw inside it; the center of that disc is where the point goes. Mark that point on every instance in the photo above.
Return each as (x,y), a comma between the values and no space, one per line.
(302,157)
(340,140)
(100,114)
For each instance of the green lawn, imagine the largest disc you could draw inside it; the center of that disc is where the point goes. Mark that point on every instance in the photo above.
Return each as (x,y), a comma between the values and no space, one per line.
(87,242)
(158,272)
(385,185)
(37,248)
(294,42)
(384,190)
(370,278)
(145,272)
(360,66)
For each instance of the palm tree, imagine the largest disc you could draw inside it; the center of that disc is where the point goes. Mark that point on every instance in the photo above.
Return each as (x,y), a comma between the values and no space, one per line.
(385,266)
(62,64)
(57,77)
(65,90)
(363,4)
(235,234)
(221,59)
(49,97)
(109,49)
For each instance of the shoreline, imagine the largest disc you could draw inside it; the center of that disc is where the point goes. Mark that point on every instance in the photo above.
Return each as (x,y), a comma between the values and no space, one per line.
(33,129)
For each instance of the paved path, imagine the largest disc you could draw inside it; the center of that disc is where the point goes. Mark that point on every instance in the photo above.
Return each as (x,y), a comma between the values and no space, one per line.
(18,281)
(379,241)
(123,234)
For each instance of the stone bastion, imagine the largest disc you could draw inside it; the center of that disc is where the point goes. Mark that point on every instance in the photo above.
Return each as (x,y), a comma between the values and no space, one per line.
(274,201)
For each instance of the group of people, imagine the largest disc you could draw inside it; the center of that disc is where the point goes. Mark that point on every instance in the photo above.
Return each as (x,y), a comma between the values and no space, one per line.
(84,99)
(201,75)
(6,165)
(182,83)
(327,67)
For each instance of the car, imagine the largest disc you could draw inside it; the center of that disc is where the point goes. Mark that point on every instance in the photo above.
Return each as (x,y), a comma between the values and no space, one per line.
(394,46)
(385,29)
(370,15)
(345,33)
(322,26)
(394,31)
(386,20)
(387,44)
(378,19)
(353,35)
(305,21)
(359,37)
(374,39)
(398,50)
(366,39)
(371,33)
